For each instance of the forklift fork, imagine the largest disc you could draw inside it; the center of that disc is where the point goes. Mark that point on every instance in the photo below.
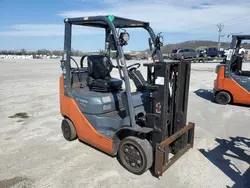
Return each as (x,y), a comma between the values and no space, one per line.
(160,167)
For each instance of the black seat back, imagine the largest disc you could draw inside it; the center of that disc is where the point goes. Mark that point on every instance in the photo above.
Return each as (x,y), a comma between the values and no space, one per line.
(99,66)
(237,65)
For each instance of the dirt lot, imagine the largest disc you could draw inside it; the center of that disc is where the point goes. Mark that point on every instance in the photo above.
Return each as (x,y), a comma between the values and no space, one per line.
(35,154)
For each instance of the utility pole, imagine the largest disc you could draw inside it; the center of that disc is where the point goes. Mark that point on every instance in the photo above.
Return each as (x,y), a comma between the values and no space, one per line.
(220,27)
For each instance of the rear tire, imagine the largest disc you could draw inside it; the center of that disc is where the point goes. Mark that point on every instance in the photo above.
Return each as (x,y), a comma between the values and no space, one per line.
(68,130)
(135,154)
(201,61)
(223,97)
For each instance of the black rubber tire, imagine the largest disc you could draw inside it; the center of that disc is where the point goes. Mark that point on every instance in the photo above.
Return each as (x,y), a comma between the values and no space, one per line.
(141,146)
(223,97)
(68,130)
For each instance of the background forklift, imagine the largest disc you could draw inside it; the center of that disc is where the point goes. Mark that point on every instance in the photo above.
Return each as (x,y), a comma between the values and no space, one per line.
(232,85)
(142,128)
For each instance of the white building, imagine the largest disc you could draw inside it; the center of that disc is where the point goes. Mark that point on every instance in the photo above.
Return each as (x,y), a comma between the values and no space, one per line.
(16,57)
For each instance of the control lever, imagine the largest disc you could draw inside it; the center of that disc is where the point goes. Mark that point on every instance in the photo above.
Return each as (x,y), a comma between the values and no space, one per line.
(140,82)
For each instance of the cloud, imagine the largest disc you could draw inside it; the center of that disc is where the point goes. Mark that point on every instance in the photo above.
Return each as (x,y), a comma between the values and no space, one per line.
(199,7)
(29,30)
(196,17)
(206,4)
(187,16)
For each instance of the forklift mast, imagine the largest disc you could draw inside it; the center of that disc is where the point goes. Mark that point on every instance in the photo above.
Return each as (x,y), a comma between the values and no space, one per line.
(169,111)
(235,45)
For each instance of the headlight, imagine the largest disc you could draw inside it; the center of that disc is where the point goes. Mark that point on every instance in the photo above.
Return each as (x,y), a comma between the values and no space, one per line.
(125,37)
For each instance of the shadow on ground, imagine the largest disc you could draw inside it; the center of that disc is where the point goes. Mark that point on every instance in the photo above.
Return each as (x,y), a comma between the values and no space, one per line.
(205,94)
(236,148)
(16,182)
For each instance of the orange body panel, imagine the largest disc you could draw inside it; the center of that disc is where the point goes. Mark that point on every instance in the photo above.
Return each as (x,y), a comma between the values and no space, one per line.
(85,130)
(240,95)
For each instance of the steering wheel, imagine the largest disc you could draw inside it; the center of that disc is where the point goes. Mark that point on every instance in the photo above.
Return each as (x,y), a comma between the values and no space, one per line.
(129,67)
(237,55)
(132,68)
(81,61)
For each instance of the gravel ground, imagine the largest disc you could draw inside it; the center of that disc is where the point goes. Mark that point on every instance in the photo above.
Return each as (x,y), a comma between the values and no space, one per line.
(35,154)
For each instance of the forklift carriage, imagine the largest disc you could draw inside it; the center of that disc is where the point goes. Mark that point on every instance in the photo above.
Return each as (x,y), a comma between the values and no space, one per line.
(142,128)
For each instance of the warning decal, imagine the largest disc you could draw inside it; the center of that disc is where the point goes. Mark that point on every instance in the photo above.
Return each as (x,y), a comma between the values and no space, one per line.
(158,108)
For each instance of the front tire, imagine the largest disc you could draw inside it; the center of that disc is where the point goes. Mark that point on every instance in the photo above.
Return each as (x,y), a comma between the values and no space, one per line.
(135,155)
(68,130)
(223,97)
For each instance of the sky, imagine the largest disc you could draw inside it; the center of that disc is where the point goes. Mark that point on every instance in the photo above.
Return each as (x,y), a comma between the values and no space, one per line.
(36,25)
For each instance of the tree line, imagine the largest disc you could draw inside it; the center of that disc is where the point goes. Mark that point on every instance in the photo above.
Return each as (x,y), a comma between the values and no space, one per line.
(165,49)
(49,52)
(39,52)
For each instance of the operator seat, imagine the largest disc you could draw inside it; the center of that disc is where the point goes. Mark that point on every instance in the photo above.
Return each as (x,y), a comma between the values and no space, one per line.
(237,65)
(99,79)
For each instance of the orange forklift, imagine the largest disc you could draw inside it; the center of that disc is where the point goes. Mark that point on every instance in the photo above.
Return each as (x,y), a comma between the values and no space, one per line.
(142,128)
(232,84)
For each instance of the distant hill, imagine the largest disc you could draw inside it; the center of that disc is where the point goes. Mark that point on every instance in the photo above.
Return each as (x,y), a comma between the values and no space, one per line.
(196,45)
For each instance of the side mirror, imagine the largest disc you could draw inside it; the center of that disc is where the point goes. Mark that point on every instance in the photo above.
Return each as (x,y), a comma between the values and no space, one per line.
(150,44)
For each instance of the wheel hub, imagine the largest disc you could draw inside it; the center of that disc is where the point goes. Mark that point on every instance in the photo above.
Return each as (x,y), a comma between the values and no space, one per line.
(132,156)
(66,131)
(222,98)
